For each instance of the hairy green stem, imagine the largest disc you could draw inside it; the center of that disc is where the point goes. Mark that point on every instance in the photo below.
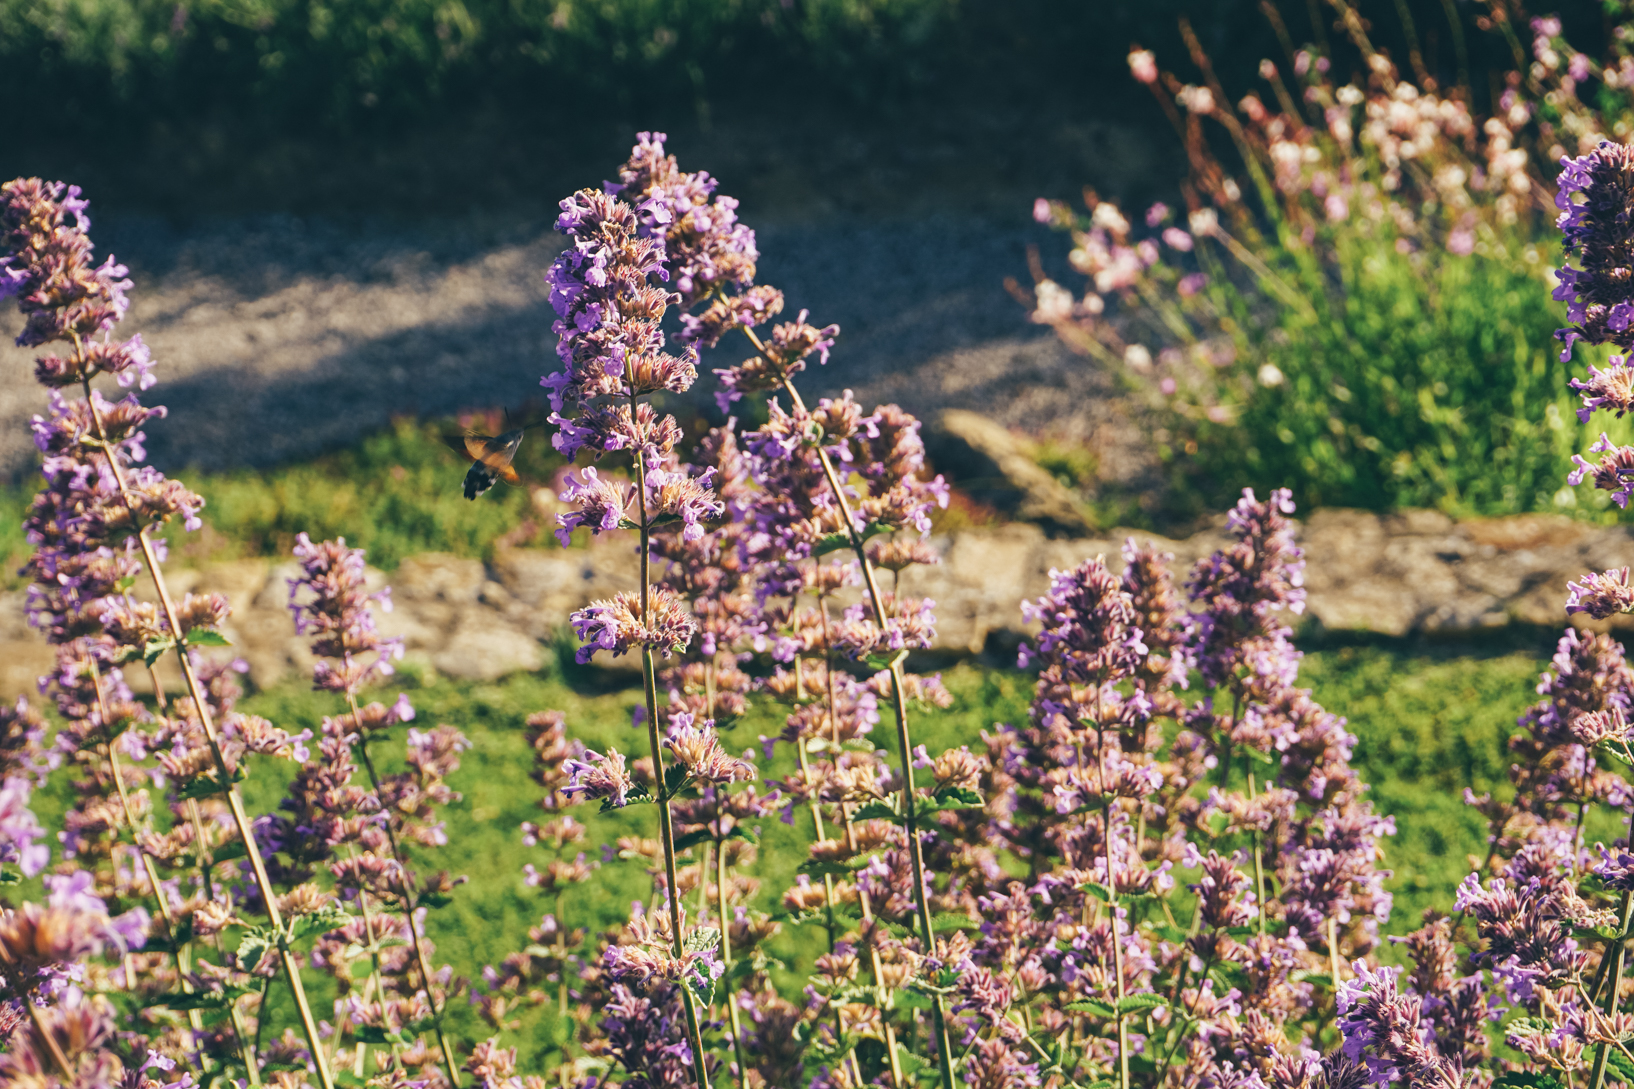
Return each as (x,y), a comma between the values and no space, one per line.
(420,956)
(864,903)
(194,1018)
(1112,895)
(726,959)
(666,821)
(1618,952)
(899,700)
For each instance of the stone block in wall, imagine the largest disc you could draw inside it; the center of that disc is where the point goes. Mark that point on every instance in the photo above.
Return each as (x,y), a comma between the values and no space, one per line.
(546,585)
(486,648)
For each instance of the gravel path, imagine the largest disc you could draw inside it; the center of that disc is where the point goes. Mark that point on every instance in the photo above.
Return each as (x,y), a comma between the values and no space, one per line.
(278,338)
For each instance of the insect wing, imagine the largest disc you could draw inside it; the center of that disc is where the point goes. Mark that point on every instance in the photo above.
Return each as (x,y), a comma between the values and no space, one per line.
(496,453)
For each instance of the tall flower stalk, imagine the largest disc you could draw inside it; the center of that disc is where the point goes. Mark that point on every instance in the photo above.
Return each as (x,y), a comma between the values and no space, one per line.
(710,257)
(102,500)
(331,603)
(612,350)
(1596,199)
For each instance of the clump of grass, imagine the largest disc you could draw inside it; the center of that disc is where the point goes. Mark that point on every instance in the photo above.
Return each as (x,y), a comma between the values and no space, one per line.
(395,494)
(1361,319)
(1074,466)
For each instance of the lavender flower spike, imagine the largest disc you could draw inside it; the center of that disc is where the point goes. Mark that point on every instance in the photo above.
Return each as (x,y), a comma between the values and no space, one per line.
(339,615)
(1601,595)
(1596,202)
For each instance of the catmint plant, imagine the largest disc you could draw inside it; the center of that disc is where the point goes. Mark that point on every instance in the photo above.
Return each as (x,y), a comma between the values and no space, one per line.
(1545,916)
(606,290)
(710,258)
(91,524)
(362,836)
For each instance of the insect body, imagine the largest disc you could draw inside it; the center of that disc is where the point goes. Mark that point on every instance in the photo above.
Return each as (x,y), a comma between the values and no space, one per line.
(491,459)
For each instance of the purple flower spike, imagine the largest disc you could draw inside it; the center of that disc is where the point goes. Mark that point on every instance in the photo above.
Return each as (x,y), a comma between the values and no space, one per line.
(337,610)
(1596,202)
(1601,595)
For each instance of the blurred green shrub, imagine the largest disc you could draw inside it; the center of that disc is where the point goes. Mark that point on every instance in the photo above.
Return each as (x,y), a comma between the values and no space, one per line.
(93,67)
(338,59)
(1358,308)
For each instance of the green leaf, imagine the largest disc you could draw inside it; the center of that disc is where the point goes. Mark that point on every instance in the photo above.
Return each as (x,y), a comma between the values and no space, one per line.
(227,852)
(910,1063)
(740,832)
(959,798)
(319,922)
(1603,933)
(207,637)
(1620,1062)
(1097,890)
(876,811)
(1256,755)
(252,946)
(740,969)
(946,922)
(348,1079)
(9,877)
(125,584)
(374,1034)
(692,839)
(1520,1079)
(1137,1002)
(702,940)
(636,795)
(1241,931)
(207,786)
(897,930)
(1104,1083)
(1320,979)
(155,649)
(702,988)
(434,900)
(1170,933)
(833,542)
(675,777)
(1094,1009)
(879,663)
(813,867)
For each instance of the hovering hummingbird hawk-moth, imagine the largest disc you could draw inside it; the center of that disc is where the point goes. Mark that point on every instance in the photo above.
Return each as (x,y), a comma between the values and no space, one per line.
(491,458)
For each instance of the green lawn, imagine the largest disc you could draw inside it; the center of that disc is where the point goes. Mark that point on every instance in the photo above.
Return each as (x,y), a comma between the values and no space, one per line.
(1430,721)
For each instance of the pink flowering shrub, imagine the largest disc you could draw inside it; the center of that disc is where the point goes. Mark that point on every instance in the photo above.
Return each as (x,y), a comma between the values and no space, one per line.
(1348,304)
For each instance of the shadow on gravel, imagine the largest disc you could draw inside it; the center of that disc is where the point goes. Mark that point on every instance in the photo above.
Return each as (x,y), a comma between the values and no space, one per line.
(244,416)
(282,365)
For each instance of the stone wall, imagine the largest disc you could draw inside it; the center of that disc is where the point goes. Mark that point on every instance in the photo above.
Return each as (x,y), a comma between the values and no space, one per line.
(1415,572)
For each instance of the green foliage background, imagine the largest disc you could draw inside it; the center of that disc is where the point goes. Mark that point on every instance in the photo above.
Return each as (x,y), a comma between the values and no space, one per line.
(1418,380)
